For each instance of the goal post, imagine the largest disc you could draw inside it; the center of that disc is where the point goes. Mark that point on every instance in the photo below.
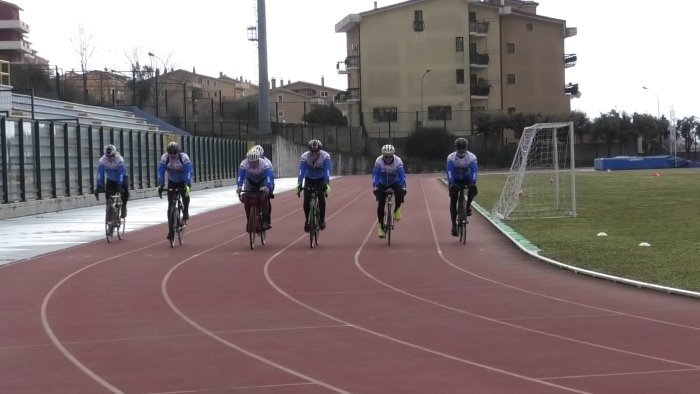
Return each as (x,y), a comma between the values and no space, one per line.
(541,182)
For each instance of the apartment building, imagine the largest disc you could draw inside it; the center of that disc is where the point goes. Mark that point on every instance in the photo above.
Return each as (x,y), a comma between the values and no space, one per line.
(433,63)
(14,48)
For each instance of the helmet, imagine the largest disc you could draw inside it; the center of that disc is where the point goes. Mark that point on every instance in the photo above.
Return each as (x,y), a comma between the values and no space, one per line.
(388,150)
(259,149)
(173,148)
(110,150)
(461,143)
(315,145)
(253,155)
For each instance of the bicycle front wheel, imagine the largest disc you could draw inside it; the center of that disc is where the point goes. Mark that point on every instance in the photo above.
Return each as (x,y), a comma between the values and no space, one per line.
(388,218)
(109,226)
(180,226)
(462,220)
(313,226)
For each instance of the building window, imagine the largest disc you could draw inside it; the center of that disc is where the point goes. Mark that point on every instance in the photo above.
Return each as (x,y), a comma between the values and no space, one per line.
(199,79)
(528,27)
(472,16)
(280,98)
(510,47)
(511,110)
(418,20)
(384,114)
(460,76)
(324,93)
(459,44)
(511,79)
(280,114)
(440,112)
(478,109)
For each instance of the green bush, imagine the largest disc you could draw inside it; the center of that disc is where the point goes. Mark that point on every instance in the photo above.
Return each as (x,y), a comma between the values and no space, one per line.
(429,144)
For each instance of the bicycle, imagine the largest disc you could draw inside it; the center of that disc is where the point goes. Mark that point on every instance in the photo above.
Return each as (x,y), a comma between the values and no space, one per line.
(314,218)
(175,222)
(113,220)
(462,220)
(257,203)
(388,215)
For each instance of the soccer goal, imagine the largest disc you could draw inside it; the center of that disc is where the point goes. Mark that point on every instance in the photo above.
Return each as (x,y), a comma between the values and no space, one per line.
(542,180)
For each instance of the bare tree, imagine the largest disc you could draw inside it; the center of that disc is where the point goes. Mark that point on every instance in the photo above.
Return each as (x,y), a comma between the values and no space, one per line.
(85,48)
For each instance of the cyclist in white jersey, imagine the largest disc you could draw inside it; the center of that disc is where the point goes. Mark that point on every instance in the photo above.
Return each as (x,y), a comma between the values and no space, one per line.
(388,174)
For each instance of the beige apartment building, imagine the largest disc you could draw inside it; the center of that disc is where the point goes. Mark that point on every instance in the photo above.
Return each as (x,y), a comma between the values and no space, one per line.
(433,63)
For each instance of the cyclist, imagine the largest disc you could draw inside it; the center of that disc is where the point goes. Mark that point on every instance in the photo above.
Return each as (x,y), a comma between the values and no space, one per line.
(179,169)
(256,174)
(462,169)
(111,176)
(315,172)
(388,174)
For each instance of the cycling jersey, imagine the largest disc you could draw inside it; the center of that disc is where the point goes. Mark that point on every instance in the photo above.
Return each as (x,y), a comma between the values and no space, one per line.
(178,166)
(256,172)
(111,167)
(315,166)
(388,174)
(461,170)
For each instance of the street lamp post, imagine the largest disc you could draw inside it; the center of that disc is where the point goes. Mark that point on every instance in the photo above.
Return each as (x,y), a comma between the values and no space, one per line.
(658,114)
(153,55)
(422,117)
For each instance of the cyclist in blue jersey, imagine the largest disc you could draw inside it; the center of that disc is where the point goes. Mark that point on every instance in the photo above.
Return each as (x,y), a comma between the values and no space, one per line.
(179,168)
(314,172)
(255,174)
(112,177)
(462,169)
(388,173)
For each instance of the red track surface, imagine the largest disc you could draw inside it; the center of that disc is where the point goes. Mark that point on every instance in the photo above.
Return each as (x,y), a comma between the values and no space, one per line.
(425,315)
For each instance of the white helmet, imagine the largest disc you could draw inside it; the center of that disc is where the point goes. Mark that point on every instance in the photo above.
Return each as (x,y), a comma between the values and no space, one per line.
(259,149)
(253,155)
(388,150)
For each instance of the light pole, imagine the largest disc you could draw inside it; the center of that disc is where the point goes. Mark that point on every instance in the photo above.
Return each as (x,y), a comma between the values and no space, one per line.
(153,55)
(427,70)
(658,114)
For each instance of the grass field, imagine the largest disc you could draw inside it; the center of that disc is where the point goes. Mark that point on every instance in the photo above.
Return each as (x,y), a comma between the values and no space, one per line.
(631,207)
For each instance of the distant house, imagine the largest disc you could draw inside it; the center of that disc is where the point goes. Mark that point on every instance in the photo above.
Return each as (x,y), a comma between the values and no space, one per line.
(290,102)
(13,46)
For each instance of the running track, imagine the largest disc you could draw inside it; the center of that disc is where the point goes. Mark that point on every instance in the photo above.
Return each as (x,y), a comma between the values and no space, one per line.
(426,315)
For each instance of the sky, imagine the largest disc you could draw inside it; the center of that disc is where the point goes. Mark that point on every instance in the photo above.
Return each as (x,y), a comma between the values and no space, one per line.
(621,45)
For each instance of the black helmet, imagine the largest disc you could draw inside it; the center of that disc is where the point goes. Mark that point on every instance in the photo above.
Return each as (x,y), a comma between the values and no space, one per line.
(173,148)
(461,143)
(110,150)
(315,145)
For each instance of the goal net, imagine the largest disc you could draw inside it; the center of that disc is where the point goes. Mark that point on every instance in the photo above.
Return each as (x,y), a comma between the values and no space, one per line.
(541,182)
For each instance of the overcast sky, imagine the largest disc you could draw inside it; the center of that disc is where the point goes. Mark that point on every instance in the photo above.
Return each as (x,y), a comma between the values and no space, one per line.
(621,45)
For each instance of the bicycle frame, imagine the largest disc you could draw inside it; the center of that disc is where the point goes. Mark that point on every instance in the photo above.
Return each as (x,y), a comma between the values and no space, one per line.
(462,220)
(113,220)
(255,227)
(175,209)
(389,215)
(314,217)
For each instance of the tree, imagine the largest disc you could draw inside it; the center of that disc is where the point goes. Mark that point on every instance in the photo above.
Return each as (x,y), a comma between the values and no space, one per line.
(645,126)
(687,127)
(607,128)
(325,115)
(582,125)
(85,49)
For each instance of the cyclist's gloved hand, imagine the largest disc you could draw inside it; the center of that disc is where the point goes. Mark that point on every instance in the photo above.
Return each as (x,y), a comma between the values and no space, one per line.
(403,189)
(160,191)
(327,189)
(375,190)
(472,186)
(299,187)
(187,190)
(98,189)
(264,190)
(238,190)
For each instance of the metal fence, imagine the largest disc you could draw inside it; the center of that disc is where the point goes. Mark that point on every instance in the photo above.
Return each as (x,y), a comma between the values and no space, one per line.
(57,159)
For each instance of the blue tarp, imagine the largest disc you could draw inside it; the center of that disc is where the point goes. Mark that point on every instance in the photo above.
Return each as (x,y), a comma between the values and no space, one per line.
(642,162)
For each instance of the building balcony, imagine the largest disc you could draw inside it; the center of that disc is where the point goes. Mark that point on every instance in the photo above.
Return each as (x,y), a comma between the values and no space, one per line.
(570,32)
(480,92)
(478,60)
(350,95)
(19,45)
(571,89)
(350,63)
(478,29)
(15,24)
(569,60)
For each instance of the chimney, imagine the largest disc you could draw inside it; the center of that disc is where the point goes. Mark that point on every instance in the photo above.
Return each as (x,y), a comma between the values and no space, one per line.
(274,83)
(375,5)
(281,82)
(323,80)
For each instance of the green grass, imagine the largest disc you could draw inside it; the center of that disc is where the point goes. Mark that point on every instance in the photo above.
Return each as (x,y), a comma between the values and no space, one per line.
(631,207)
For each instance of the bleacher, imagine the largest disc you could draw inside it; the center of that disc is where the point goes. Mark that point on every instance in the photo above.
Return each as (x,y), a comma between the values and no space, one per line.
(47,109)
